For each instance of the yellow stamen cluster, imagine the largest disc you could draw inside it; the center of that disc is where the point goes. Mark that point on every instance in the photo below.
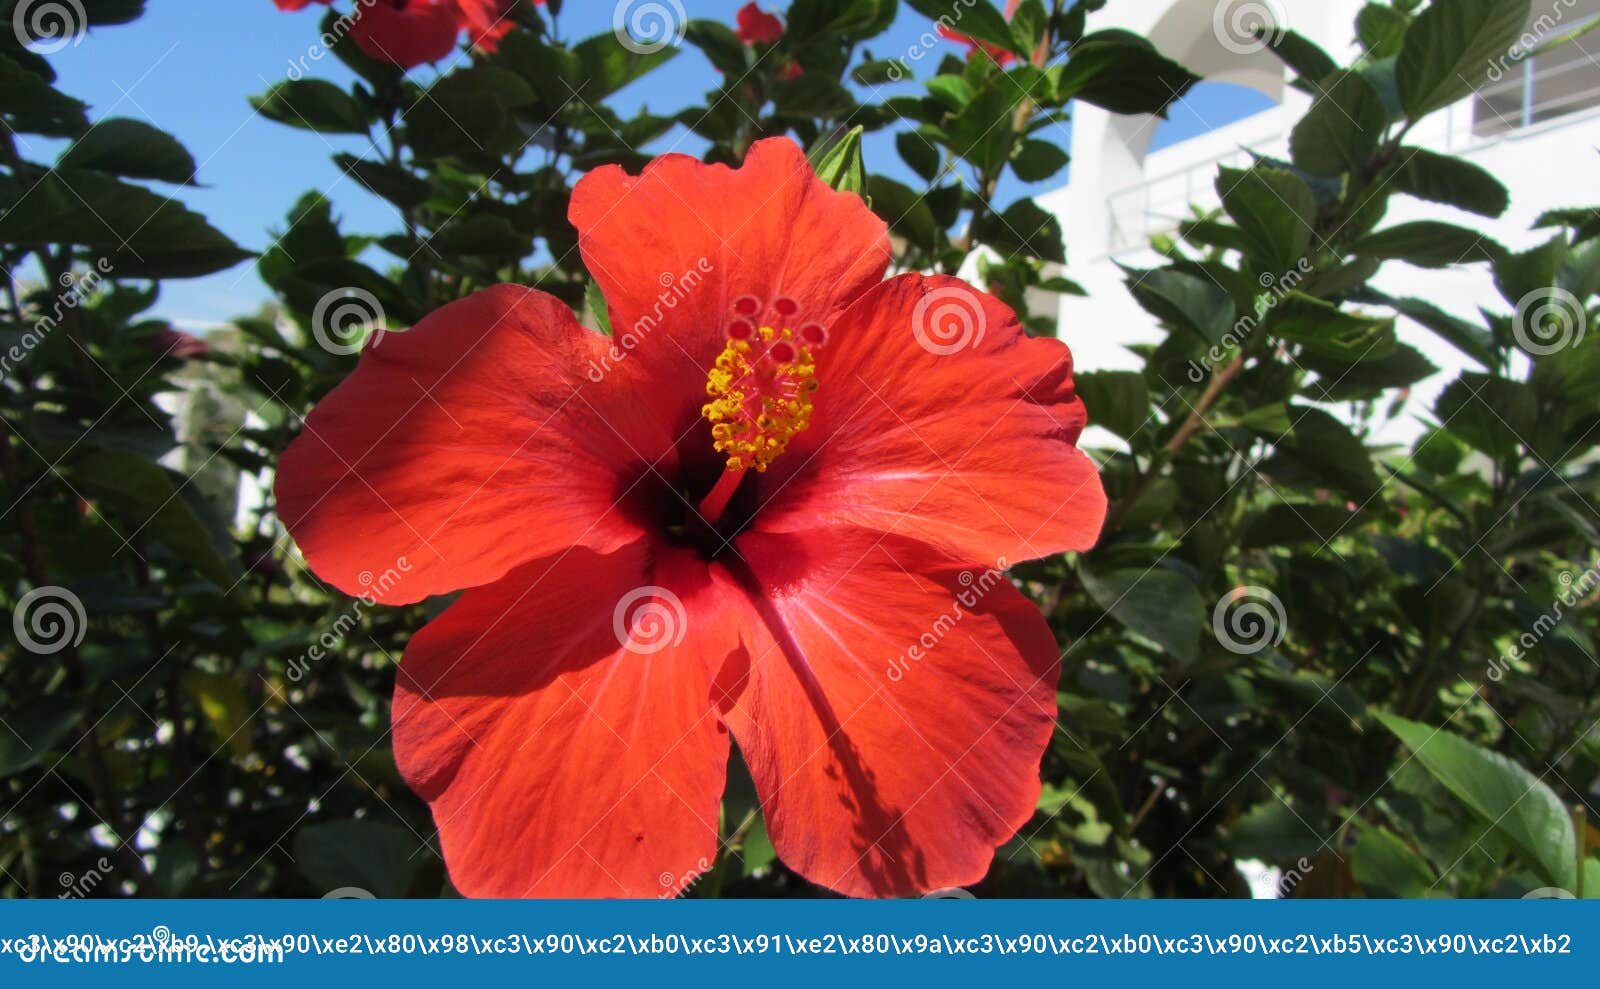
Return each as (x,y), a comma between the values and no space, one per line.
(758,402)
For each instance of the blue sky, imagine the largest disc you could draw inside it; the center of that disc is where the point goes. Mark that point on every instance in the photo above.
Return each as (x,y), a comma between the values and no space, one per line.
(192,76)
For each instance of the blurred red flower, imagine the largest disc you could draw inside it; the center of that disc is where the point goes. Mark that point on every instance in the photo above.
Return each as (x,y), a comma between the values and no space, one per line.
(756,26)
(409,33)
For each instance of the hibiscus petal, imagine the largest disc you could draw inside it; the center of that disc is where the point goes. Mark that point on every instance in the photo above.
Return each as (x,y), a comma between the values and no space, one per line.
(893,709)
(486,21)
(938,418)
(470,444)
(408,35)
(674,247)
(558,762)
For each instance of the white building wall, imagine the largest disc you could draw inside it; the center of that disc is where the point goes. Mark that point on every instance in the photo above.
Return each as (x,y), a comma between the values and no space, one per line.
(1119,193)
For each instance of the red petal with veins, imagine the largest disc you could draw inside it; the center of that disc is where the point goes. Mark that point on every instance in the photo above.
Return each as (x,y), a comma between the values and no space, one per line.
(465,446)
(893,707)
(558,761)
(673,248)
(936,417)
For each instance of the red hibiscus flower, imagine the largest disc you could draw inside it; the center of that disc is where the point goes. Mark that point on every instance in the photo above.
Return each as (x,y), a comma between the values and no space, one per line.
(973,45)
(775,505)
(409,33)
(756,26)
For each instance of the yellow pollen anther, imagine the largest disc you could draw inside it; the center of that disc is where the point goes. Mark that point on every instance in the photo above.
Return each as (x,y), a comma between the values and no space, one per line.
(758,402)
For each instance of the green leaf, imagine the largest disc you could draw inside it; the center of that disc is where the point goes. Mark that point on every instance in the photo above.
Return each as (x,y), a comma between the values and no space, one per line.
(390,182)
(1162,605)
(374,856)
(141,234)
(904,210)
(1428,244)
(36,106)
(469,113)
(1024,228)
(1342,128)
(1385,865)
(1320,450)
(35,731)
(1035,161)
(1451,181)
(973,18)
(1124,74)
(605,65)
(1368,379)
(840,165)
(595,301)
(1381,29)
(153,507)
(918,152)
(1470,339)
(1513,801)
(480,234)
(1450,48)
(1302,55)
(1274,210)
(1585,221)
(881,71)
(222,701)
(133,149)
(1493,415)
(313,104)
(1116,400)
(1186,301)
(1325,330)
